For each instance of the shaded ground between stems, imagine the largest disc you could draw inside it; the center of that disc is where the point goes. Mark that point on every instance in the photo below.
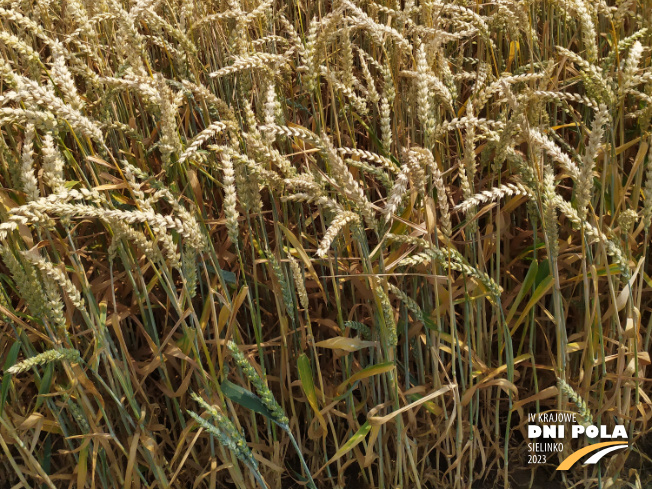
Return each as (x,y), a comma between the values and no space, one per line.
(530,478)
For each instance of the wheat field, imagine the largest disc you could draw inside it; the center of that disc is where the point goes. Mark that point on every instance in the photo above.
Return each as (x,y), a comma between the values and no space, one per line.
(323,244)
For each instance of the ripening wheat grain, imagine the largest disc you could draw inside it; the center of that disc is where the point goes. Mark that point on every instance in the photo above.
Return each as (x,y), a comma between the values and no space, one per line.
(420,223)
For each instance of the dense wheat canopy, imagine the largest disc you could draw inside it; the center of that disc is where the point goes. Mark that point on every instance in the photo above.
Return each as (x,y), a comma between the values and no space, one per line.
(334,244)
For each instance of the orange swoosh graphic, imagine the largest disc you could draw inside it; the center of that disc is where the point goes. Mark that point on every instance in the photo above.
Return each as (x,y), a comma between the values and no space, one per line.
(570,460)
